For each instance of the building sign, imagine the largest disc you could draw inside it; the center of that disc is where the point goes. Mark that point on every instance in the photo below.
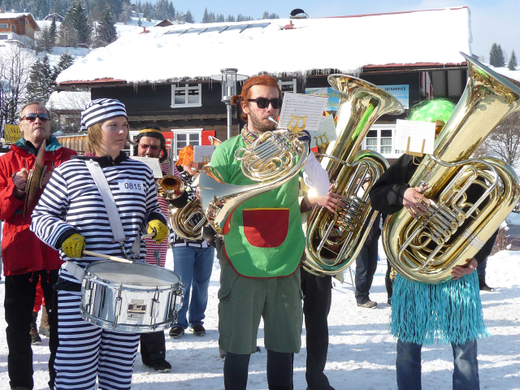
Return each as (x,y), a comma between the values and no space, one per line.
(400,92)
(12,133)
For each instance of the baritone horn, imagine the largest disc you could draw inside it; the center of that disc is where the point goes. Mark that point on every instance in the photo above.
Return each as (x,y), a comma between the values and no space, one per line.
(333,240)
(272,160)
(455,227)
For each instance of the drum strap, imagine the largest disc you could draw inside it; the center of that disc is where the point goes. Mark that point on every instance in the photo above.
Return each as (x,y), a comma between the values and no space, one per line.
(75,270)
(112,212)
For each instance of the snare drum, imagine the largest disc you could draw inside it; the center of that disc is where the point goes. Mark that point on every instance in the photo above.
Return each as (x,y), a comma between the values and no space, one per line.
(130,297)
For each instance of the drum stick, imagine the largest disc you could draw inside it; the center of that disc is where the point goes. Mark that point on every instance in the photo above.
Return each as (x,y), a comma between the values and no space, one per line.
(97,254)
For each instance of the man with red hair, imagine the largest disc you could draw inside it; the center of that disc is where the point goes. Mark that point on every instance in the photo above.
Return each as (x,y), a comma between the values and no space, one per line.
(260,255)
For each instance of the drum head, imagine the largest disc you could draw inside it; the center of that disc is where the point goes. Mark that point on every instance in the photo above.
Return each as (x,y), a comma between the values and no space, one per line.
(135,274)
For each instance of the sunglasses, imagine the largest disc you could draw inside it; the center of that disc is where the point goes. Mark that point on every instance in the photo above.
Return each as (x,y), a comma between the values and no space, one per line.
(264,103)
(32,117)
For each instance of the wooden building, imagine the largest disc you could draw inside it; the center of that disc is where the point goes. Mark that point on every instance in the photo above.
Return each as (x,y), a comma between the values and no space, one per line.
(168,76)
(17,27)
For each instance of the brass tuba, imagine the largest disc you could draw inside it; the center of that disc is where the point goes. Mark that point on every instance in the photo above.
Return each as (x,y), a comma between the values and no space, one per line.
(189,220)
(271,167)
(426,248)
(333,240)
(170,186)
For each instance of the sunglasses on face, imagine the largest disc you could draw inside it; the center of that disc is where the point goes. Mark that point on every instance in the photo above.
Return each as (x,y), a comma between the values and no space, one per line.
(264,103)
(32,117)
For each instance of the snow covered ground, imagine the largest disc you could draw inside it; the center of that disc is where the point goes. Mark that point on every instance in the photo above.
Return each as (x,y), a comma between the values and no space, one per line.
(361,352)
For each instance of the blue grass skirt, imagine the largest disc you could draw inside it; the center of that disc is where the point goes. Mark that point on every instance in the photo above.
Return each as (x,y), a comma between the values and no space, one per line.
(449,312)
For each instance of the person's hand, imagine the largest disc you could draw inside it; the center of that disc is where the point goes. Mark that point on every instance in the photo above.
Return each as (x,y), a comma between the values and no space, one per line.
(197,193)
(332,202)
(159,228)
(414,201)
(460,270)
(47,177)
(74,246)
(20,180)
(304,136)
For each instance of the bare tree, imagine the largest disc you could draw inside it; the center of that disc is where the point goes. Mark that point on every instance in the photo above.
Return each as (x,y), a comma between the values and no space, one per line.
(504,142)
(15,65)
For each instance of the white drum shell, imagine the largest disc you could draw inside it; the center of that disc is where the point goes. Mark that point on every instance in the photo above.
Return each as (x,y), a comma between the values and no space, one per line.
(130,298)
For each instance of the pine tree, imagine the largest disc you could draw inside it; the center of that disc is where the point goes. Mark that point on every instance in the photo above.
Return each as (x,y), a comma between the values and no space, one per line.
(106,31)
(512,64)
(188,18)
(230,18)
(46,40)
(53,31)
(205,16)
(496,56)
(40,84)
(66,60)
(57,8)
(75,28)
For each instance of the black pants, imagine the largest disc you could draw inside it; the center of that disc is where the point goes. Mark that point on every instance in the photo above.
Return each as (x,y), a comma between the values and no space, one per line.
(366,265)
(20,291)
(317,298)
(153,347)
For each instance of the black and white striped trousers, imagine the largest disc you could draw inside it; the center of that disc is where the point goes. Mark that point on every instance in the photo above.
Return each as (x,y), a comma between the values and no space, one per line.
(86,352)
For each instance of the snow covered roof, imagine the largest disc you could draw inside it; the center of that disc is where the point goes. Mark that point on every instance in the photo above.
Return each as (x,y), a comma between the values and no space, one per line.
(347,44)
(68,101)
(12,15)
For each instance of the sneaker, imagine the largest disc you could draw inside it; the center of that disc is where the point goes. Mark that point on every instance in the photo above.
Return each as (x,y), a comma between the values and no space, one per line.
(176,332)
(368,304)
(36,339)
(198,330)
(159,365)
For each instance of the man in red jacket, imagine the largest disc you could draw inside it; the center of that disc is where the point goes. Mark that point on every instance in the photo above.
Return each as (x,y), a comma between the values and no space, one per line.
(25,258)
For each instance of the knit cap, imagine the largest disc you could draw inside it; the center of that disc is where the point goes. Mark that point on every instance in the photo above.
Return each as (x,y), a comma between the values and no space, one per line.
(100,110)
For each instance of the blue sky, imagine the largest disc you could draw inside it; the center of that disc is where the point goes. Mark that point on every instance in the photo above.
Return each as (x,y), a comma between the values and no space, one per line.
(491,20)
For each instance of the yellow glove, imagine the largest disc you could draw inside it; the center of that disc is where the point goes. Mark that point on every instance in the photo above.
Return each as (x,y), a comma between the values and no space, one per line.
(74,246)
(160,230)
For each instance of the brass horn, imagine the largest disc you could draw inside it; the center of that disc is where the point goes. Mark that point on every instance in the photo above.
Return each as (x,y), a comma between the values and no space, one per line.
(220,199)
(170,186)
(333,240)
(427,247)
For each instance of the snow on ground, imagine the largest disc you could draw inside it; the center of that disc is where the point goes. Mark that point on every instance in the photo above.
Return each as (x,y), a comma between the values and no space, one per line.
(361,352)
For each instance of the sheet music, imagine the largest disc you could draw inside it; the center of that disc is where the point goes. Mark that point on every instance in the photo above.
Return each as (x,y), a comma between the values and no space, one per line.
(416,132)
(202,153)
(152,163)
(326,133)
(302,112)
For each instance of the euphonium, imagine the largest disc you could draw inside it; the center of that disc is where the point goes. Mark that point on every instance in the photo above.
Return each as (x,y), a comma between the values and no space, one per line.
(427,247)
(333,240)
(271,160)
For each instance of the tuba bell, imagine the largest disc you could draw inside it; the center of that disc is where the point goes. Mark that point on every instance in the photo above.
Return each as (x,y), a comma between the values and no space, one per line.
(333,240)
(272,160)
(426,248)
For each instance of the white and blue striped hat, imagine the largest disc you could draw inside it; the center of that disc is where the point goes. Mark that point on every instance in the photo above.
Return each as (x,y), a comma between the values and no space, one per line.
(100,110)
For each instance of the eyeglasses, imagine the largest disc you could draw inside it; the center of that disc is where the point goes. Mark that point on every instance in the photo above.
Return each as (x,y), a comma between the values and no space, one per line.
(264,103)
(32,117)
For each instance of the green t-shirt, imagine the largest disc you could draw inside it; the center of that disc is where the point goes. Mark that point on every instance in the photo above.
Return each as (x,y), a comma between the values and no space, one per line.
(265,239)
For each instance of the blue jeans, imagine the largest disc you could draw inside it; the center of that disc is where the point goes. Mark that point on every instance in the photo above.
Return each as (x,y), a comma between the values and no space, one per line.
(194,266)
(465,373)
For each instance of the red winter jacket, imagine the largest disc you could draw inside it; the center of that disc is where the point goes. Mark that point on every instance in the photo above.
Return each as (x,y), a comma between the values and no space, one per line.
(22,251)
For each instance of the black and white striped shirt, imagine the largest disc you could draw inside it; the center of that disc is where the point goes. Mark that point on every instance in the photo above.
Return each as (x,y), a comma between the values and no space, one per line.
(71,203)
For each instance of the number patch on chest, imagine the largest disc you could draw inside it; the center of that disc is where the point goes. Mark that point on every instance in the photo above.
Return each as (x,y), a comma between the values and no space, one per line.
(131,186)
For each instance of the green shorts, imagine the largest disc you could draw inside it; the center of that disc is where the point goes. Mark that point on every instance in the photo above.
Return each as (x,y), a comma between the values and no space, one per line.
(243,301)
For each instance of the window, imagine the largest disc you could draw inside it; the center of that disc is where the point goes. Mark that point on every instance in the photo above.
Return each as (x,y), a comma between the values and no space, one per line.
(288,86)
(380,139)
(186,95)
(4,36)
(4,26)
(184,138)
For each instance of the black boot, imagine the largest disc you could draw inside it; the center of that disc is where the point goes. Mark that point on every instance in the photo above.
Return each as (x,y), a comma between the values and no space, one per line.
(35,337)
(482,284)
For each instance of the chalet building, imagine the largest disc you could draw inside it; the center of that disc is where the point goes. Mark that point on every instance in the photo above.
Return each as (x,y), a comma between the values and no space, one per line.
(18,27)
(170,77)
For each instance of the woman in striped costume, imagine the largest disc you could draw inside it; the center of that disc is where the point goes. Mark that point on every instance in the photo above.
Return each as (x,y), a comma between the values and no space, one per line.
(71,216)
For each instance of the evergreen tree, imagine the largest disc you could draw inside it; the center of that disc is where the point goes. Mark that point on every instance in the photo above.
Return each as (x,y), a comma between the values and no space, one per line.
(106,31)
(46,41)
(53,31)
(230,18)
(66,60)
(512,64)
(188,18)
(496,56)
(205,16)
(40,84)
(57,8)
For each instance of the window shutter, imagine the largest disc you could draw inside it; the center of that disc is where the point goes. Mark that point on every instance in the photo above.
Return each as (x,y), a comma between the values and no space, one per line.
(205,134)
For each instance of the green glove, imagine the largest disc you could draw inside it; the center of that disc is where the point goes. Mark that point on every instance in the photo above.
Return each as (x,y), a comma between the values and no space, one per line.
(160,229)
(74,246)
